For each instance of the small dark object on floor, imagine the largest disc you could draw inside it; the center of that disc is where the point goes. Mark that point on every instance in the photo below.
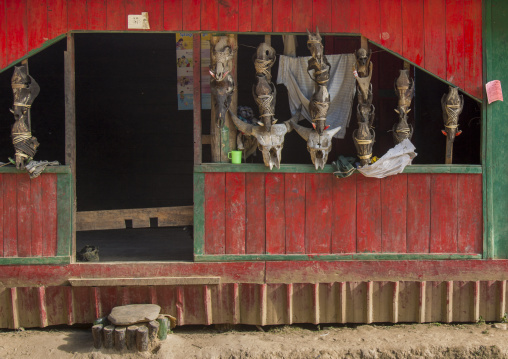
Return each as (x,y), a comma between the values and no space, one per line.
(88,254)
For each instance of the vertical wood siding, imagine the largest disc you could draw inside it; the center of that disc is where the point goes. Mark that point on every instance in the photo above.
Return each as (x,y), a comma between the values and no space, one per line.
(318,214)
(28,221)
(442,36)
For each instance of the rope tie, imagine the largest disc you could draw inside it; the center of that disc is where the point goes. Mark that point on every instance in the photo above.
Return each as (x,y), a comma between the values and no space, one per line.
(19,86)
(452,111)
(18,137)
(405,130)
(22,104)
(313,41)
(321,109)
(363,142)
(264,103)
(366,157)
(263,67)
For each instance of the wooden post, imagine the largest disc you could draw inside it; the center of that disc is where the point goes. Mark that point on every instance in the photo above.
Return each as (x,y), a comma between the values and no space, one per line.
(224,140)
(142,339)
(97,335)
(70,126)
(130,336)
(197,99)
(153,329)
(120,338)
(108,336)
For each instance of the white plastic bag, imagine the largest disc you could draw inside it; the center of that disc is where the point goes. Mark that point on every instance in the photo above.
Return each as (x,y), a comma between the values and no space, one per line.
(392,163)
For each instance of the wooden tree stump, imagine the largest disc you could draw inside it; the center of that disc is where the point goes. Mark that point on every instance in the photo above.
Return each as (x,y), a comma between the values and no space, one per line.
(120,338)
(130,336)
(108,336)
(153,329)
(97,335)
(163,327)
(142,339)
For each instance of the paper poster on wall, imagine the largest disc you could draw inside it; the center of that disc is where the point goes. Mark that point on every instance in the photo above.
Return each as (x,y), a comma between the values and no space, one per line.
(185,71)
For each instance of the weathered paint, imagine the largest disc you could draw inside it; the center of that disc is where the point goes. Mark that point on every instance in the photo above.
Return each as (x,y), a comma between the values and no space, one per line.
(406,33)
(301,210)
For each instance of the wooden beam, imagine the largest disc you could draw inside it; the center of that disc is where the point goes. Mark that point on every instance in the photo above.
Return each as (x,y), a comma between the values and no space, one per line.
(70,126)
(140,217)
(148,281)
(197,98)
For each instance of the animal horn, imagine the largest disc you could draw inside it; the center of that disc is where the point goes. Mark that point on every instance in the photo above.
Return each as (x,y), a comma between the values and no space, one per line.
(304,132)
(317,31)
(333,131)
(242,126)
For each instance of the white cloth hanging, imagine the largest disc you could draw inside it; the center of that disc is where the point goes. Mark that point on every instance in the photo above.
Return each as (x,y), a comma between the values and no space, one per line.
(392,163)
(341,86)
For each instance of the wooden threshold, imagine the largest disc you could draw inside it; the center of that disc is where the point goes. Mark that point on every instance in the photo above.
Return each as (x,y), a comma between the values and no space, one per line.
(140,217)
(106,282)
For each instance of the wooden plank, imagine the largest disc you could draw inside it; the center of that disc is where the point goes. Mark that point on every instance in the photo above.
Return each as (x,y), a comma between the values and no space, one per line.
(394,213)
(68,219)
(322,15)
(176,281)
(258,167)
(391,24)
(244,15)
(10,216)
(210,15)
(173,15)
(228,15)
(418,213)
(443,214)
(282,15)
(275,214)
(155,9)
(370,24)
(16,261)
(235,213)
(57,18)
(96,14)
(116,15)
(1,214)
(345,16)
(469,215)
(255,211)
(344,215)
(215,219)
(413,31)
(37,22)
(65,216)
(455,42)
(434,14)
(295,212)
(49,207)
(302,16)
(192,15)
(473,64)
(24,216)
(16,29)
(198,148)
(3,34)
(77,14)
(199,213)
(318,213)
(115,219)
(368,214)
(262,15)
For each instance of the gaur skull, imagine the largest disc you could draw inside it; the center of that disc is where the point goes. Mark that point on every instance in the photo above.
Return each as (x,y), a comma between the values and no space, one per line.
(363,62)
(318,109)
(452,104)
(270,143)
(222,92)
(264,60)
(222,56)
(404,88)
(318,145)
(402,130)
(364,138)
(264,93)
(318,63)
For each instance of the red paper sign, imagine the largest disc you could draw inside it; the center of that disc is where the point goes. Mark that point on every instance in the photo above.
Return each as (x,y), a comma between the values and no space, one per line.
(494,91)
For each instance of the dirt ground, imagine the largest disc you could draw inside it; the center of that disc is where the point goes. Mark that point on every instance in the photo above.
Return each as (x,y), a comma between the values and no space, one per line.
(291,342)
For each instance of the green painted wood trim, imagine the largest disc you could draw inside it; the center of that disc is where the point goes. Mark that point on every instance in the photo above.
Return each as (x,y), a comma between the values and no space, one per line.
(330,257)
(64,217)
(258,167)
(35,260)
(44,46)
(49,169)
(485,146)
(199,213)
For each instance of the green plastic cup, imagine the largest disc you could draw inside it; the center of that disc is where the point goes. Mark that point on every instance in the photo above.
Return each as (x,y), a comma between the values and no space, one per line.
(235,157)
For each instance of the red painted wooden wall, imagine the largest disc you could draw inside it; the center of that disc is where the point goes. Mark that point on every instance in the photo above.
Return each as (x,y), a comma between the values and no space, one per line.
(442,36)
(28,215)
(288,213)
